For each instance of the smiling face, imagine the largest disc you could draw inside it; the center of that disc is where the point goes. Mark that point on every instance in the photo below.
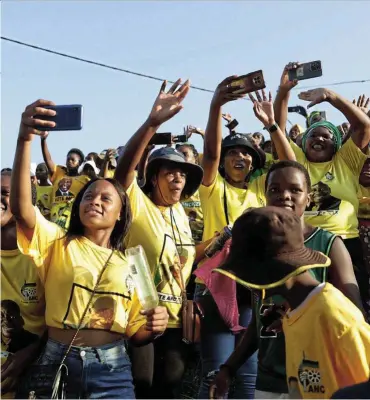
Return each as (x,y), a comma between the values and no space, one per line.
(6,214)
(237,163)
(320,145)
(65,184)
(11,320)
(287,188)
(168,185)
(294,132)
(100,207)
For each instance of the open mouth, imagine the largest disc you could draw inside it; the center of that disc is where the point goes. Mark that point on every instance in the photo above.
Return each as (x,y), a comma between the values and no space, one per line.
(239,165)
(318,146)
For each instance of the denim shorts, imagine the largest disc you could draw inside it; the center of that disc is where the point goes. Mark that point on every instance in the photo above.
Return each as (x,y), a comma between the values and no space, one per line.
(102,372)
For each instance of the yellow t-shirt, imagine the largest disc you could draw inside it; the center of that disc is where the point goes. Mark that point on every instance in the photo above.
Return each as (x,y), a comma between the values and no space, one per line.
(65,189)
(69,271)
(165,235)
(110,173)
(327,345)
(193,210)
(364,202)
(21,284)
(238,200)
(335,187)
(43,202)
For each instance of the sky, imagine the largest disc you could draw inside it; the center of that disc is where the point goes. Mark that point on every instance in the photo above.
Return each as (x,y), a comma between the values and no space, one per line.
(204,41)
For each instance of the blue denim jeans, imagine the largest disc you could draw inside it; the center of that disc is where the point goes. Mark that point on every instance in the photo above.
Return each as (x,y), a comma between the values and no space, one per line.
(102,372)
(217,344)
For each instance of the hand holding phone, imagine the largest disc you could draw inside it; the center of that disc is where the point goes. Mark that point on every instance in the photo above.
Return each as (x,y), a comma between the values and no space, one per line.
(248,83)
(66,118)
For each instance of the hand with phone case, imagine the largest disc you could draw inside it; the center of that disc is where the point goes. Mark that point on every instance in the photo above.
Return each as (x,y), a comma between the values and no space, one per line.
(225,92)
(285,83)
(32,119)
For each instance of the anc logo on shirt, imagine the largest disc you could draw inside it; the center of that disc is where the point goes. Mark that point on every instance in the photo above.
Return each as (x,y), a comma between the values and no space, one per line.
(29,292)
(309,376)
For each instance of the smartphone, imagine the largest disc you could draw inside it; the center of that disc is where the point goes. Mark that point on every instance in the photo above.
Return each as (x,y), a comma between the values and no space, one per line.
(249,83)
(180,139)
(161,138)
(299,110)
(306,71)
(67,118)
(232,125)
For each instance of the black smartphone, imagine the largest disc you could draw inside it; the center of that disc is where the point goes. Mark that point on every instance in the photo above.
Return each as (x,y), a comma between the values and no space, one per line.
(161,138)
(249,83)
(299,110)
(308,70)
(67,118)
(180,139)
(272,316)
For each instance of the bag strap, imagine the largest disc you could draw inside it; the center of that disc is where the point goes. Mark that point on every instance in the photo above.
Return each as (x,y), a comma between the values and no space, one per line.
(225,205)
(86,309)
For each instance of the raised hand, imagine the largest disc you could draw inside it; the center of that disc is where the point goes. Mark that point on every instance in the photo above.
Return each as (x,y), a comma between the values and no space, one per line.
(263,108)
(168,104)
(225,92)
(285,83)
(362,103)
(227,117)
(28,125)
(315,96)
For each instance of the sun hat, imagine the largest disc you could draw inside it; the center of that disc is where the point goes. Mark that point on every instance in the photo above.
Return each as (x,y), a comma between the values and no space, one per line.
(240,139)
(268,248)
(90,162)
(194,173)
(337,137)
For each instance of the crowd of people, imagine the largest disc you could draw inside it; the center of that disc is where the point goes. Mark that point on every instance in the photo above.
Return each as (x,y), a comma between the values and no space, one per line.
(259,251)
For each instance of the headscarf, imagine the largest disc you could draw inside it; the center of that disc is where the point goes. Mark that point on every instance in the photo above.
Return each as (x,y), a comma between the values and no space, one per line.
(337,137)
(310,117)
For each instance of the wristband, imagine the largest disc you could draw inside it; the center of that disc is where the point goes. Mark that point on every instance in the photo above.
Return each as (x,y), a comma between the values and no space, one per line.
(273,128)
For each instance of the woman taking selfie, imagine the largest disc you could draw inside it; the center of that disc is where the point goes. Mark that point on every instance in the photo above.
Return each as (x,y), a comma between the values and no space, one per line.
(334,168)
(161,226)
(225,193)
(288,186)
(91,306)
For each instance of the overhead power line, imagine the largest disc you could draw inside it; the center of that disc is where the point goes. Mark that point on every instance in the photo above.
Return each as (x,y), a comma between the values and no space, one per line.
(103,65)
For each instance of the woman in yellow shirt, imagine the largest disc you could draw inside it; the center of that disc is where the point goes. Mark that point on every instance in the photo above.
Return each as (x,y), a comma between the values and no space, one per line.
(22,299)
(86,277)
(225,193)
(161,226)
(334,169)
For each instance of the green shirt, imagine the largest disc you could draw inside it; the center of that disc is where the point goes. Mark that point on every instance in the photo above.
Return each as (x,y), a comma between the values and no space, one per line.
(271,376)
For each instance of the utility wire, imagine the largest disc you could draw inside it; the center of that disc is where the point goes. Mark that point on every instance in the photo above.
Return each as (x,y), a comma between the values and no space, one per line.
(151,76)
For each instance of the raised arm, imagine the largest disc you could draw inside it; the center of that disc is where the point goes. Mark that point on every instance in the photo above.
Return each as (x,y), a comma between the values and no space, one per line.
(47,157)
(141,169)
(213,136)
(20,199)
(360,122)
(282,96)
(166,106)
(104,171)
(264,110)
